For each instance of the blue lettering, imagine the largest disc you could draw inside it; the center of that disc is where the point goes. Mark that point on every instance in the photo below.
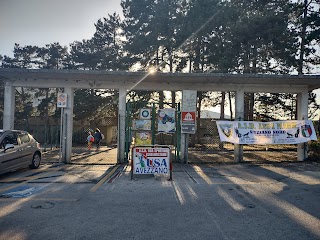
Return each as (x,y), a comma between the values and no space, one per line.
(153,170)
(156,163)
(164,163)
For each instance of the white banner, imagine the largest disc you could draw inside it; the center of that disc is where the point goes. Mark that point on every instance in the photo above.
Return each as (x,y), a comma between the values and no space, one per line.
(278,132)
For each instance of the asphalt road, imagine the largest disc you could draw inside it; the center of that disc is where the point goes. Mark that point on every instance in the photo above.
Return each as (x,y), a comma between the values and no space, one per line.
(237,201)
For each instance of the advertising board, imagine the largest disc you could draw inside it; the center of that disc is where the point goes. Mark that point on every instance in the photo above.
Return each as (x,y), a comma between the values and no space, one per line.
(276,132)
(151,160)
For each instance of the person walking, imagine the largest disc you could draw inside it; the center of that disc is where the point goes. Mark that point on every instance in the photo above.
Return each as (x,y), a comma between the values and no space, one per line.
(90,140)
(97,137)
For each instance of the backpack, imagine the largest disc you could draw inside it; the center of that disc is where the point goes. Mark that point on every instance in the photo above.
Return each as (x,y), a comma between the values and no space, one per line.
(102,136)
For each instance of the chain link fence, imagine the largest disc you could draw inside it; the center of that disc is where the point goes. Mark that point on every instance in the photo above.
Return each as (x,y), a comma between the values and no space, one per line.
(205,147)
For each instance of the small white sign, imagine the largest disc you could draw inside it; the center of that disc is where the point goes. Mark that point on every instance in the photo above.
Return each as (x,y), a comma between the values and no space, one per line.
(62,100)
(145,113)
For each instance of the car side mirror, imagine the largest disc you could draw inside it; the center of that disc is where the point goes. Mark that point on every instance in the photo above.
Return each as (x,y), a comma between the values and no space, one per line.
(8,146)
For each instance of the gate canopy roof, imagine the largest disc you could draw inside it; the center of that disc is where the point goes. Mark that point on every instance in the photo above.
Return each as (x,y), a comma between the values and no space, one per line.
(42,78)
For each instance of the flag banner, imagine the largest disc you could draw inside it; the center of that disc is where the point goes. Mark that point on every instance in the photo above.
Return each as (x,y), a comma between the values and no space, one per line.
(277,132)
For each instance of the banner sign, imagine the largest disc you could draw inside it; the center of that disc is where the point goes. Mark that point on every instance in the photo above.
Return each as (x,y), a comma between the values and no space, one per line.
(278,132)
(166,120)
(151,160)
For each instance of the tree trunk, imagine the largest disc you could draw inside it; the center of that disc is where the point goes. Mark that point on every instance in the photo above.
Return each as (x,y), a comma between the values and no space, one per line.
(161,105)
(198,133)
(251,106)
(303,38)
(230,105)
(223,99)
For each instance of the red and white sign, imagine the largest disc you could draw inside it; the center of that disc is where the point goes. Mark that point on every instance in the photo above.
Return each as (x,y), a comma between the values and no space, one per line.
(188,117)
(188,122)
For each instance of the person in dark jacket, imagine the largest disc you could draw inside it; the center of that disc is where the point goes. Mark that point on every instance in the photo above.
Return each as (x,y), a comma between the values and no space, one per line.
(97,137)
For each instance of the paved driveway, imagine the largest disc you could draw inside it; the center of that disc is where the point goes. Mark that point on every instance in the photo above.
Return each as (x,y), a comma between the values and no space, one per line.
(239,201)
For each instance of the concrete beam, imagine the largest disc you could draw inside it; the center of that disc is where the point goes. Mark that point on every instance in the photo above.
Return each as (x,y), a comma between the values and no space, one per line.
(161,85)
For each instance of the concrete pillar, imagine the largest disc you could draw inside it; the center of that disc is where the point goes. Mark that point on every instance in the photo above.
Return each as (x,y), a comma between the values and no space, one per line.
(239,115)
(121,125)
(184,147)
(9,106)
(302,114)
(68,125)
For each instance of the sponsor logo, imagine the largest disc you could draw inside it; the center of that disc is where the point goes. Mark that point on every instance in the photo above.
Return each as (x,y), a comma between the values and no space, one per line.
(226,129)
(306,130)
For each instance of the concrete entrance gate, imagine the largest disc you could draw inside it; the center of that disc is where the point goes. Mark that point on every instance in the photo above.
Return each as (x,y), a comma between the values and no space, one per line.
(124,81)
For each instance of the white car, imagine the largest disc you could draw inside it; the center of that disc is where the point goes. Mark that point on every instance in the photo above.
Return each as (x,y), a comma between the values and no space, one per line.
(18,149)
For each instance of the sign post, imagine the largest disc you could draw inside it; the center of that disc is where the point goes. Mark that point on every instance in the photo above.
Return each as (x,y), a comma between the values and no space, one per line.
(188,119)
(188,113)
(61,103)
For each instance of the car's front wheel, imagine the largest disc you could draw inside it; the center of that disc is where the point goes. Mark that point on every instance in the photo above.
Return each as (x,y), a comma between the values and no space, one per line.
(35,161)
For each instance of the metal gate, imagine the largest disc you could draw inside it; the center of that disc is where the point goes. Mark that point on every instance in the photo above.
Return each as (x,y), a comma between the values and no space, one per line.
(138,125)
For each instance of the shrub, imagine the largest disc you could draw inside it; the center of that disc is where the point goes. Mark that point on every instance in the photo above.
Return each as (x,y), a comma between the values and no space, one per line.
(314,147)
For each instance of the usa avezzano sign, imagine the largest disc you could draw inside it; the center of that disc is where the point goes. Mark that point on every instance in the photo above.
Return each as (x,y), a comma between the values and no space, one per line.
(151,160)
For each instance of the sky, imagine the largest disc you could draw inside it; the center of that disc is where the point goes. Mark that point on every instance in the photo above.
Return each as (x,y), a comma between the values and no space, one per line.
(41,22)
